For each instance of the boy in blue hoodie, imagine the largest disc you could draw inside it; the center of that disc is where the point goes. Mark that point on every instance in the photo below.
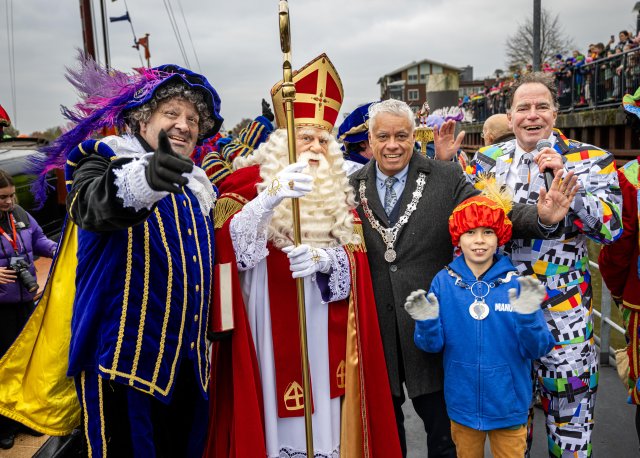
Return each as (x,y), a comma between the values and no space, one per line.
(489,333)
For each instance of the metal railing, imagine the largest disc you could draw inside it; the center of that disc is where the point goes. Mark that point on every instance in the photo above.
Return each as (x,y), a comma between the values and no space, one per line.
(607,353)
(597,84)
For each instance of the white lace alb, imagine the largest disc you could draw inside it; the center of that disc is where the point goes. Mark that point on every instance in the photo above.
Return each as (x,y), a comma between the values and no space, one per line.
(339,275)
(248,230)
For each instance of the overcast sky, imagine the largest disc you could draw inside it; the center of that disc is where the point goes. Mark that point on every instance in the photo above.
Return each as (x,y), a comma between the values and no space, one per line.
(238,48)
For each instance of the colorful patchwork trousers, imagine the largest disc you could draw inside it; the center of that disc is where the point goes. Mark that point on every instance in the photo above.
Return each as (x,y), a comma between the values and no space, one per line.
(567,377)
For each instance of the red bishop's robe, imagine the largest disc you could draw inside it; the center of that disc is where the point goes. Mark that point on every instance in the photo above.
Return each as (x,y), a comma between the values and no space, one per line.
(368,426)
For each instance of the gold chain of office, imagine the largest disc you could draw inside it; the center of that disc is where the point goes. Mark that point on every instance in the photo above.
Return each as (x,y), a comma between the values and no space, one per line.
(389,234)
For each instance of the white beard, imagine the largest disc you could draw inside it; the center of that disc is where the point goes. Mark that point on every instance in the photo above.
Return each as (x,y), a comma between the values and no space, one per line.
(316,209)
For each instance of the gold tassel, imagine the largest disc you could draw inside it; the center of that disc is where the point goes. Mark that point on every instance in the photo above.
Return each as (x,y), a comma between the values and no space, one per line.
(226,207)
(357,230)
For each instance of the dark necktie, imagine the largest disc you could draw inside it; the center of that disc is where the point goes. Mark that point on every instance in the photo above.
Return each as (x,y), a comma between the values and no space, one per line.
(390,197)
(524,174)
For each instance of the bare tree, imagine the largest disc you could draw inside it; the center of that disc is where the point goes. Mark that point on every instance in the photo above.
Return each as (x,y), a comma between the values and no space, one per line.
(244,122)
(553,40)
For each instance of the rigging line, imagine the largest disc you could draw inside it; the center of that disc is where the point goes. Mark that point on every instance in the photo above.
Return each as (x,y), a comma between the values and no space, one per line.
(179,35)
(135,37)
(105,34)
(189,34)
(95,35)
(12,62)
(176,32)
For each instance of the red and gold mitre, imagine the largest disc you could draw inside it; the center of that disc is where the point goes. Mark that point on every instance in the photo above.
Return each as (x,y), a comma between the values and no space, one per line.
(319,95)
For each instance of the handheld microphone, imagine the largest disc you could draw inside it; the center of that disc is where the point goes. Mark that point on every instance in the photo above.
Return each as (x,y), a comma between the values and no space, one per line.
(548,173)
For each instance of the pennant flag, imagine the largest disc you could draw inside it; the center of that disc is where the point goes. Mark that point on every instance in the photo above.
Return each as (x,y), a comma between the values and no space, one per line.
(144,42)
(124,17)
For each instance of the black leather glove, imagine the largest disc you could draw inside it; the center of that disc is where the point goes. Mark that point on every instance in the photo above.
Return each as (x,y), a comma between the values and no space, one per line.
(165,169)
(266,110)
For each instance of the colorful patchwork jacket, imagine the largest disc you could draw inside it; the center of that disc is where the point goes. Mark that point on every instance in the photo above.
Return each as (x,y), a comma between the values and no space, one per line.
(563,264)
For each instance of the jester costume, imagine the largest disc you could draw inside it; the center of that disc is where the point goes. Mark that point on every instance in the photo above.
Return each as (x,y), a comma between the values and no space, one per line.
(568,375)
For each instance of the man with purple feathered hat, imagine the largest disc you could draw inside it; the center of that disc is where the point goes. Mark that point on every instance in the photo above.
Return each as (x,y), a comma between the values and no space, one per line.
(143,219)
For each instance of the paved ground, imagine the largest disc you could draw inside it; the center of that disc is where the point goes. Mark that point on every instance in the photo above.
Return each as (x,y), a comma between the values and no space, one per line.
(614,435)
(25,446)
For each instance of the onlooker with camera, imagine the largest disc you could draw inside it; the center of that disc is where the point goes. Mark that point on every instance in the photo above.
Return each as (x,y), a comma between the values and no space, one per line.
(21,239)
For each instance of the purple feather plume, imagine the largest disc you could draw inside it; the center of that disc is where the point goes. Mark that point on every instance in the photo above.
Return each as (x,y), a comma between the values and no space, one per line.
(104,96)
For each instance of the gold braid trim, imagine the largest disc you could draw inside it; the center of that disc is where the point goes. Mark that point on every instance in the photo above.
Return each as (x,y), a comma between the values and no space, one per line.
(185,290)
(227,206)
(125,301)
(144,303)
(83,390)
(165,321)
(102,427)
(356,130)
(202,302)
(210,289)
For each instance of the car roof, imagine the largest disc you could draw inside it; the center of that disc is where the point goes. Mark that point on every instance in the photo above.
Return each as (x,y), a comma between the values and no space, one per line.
(15,151)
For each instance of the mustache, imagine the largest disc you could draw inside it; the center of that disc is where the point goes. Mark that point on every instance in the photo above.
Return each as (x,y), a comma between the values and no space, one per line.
(311,156)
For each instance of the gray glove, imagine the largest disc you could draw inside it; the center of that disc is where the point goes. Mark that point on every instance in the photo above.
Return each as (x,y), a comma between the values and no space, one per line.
(288,183)
(422,307)
(304,260)
(531,295)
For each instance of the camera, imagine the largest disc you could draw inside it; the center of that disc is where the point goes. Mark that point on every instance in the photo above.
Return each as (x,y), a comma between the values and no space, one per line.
(21,268)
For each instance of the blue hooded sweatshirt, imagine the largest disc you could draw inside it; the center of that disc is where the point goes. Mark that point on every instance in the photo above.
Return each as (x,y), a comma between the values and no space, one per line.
(487,363)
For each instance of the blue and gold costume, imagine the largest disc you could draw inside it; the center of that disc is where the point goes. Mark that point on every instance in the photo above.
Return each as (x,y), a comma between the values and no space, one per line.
(144,289)
(125,310)
(143,285)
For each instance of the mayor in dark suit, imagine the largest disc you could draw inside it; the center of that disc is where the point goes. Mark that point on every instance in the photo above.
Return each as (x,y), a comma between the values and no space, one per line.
(404,201)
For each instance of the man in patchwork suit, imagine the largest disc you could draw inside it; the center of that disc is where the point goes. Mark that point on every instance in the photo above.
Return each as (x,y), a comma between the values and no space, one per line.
(568,375)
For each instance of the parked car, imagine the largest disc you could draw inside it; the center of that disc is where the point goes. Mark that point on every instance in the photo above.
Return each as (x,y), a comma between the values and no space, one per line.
(14,155)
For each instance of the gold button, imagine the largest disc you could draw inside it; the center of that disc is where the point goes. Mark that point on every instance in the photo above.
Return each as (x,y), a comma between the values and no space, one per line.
(184,203)
(189,232)
(194,258)
(193,345)
(197,288)
(195,318)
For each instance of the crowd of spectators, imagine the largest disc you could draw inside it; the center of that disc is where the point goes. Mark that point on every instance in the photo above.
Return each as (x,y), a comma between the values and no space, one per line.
(598,77)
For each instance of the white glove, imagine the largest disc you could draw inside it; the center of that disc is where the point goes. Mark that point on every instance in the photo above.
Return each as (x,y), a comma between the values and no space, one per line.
(288,183)
(422,307)
(531,295)
(304,260)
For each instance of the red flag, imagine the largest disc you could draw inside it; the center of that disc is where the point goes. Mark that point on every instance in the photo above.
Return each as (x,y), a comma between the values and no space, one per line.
(144,42)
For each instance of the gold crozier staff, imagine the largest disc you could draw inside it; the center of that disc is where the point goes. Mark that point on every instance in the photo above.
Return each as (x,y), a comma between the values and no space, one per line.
(289,95)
